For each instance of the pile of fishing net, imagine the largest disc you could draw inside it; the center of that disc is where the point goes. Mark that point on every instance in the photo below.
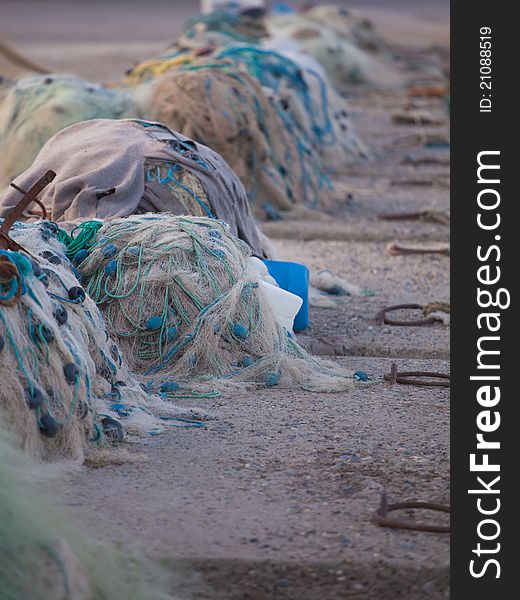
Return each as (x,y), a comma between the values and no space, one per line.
(112,168)
(39,106)
(279,126)
(62,380)
(274,116)
(228,110)
(276,71)
(341,40)
(187,305)
(44,555)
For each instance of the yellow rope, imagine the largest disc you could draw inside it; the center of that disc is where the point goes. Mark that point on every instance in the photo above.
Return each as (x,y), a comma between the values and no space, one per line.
(155,67)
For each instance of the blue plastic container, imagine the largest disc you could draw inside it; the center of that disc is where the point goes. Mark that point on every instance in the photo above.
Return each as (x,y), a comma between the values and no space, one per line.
(293,277)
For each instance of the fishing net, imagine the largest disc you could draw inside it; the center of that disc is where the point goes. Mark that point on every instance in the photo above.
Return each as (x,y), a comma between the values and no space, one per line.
(111,168)
(351,24)
(341,40)
(233,114)
(310,104)
(201,36)
(300,83)
(248,7)
(330,118)
(273,122)
(61,376)
(182,299)
(220,27)
(45,556)
(37,107)
(280,136)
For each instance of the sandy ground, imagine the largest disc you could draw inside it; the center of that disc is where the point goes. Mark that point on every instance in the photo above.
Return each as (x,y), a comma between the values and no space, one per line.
(273,497)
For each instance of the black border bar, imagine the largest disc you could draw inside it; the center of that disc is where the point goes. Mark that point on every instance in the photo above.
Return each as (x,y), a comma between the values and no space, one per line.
(474,132)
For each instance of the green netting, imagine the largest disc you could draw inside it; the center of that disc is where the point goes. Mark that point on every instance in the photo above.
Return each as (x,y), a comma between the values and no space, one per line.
(179,295)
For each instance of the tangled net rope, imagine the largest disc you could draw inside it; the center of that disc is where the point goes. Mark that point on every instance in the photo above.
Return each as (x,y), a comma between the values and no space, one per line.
(46,376)
(62,380)
(181,298)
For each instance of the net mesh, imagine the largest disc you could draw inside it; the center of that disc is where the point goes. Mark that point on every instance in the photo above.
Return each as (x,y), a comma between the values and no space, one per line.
(180,297)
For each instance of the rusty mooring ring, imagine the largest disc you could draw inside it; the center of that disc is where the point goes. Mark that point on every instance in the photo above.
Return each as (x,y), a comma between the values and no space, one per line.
(443,379)
(381,518)
(382,319)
